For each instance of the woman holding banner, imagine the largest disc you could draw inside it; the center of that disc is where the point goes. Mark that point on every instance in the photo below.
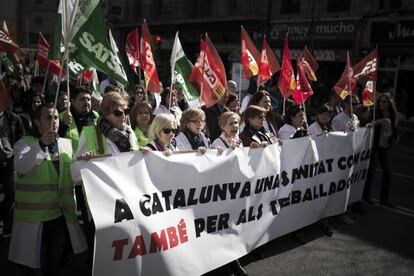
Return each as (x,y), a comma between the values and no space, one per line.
(229,123)
(384,135)
(262,98)
(111,134)
(321,125)
(253,134)
(163,130)
(293,128)
(191,136)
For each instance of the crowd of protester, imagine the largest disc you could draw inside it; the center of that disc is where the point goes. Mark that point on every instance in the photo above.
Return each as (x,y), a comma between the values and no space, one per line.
(39,142)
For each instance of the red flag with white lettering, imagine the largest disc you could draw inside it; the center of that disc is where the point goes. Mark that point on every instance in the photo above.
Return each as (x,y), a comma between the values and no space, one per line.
(42,56)
(268,63)
(367,66)
(132,49)
(213,80)
(250,56)
(152,81)
(7,44)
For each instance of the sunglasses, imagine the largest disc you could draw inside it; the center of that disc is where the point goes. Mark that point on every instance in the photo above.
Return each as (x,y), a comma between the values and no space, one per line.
(118,113)
(169,130)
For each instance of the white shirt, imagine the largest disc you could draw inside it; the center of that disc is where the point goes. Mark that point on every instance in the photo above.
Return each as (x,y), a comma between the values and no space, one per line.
(315,129)
(162,109)
(245,102)
(286,132)
(222,142)
(183,144)
(343,122)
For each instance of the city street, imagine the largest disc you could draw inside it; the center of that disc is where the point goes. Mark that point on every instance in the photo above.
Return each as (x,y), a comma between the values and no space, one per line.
(381,242)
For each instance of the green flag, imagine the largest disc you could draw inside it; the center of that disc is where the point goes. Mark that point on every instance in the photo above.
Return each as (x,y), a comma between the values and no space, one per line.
(90,46)
(56,42)
(181,68)
(6,58)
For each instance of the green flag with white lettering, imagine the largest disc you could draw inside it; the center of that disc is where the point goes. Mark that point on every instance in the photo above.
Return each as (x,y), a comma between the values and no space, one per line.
(90,45)
(181,68)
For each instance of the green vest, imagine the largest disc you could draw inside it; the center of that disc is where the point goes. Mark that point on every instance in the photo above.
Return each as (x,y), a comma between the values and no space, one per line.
(142,139)
(43,195)
(72,132)
(98,143)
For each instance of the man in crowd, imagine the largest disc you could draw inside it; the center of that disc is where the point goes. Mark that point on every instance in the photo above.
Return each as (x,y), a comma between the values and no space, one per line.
(212,116)
(80,115)
(346,120)
(45,228)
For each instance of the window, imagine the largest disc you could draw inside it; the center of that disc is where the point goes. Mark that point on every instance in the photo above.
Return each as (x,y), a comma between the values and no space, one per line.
(39,2)
(38,20)
(339,5)
(290,6)
(389,4)
(33,38)
(116,10)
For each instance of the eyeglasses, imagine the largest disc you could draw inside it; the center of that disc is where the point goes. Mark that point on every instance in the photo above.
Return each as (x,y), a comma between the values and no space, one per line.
(169,131)
(197,121)
(118,113)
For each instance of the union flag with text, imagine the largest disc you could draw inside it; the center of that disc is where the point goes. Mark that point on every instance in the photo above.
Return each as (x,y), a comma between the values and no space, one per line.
(250,56)
(152,81)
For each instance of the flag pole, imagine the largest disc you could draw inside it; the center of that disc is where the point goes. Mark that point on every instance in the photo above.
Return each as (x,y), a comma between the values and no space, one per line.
(374,90)
(44,81)
(284,107)
(304,110)
(240,80)
(36,70)
(202,75)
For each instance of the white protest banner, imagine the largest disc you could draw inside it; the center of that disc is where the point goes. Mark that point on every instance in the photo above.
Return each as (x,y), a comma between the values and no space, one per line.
(187,214)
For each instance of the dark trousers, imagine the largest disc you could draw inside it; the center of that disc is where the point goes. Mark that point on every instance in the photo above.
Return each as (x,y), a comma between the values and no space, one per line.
(7,182)
(381,156)
(55,245)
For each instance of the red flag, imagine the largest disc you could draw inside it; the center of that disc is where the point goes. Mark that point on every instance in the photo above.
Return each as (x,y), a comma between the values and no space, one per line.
(132,49)
(303,88)
(346,83)
(214,76)
(368,94)
(367,66)
(42,56)
(87,75)
(287,83)
(250,56)
(7,44)
(54,67)
(309,64)
(268,63)
(42,50)
(152,82)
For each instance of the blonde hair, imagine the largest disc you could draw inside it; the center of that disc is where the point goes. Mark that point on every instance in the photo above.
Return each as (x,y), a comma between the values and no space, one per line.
(190,114)
(158,124)
(224,117)
(111,101)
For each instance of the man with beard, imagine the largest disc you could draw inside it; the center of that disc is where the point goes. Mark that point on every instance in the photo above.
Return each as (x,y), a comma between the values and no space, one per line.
(80,115)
